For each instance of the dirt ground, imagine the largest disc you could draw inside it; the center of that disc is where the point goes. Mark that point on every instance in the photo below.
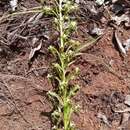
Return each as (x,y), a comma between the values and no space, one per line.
(104,72)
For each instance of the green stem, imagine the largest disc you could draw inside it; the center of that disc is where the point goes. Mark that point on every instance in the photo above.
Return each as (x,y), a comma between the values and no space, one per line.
(65,102)
(61,25)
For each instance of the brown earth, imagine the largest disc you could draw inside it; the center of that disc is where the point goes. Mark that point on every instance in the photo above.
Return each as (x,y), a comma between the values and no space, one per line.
(24,105)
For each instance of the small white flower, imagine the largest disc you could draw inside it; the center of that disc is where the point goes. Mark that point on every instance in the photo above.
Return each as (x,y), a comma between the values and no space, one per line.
(73,24)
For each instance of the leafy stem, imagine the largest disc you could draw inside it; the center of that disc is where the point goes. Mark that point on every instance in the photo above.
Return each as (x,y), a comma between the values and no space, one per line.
(61,76)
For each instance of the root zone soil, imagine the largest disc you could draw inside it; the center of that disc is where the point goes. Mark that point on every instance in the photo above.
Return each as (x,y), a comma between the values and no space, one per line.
(24,104)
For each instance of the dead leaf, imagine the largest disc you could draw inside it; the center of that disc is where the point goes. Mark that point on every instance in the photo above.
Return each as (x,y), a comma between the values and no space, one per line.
(104,119)
(97,31)
(114,1)
(119,19)
(34,50)
(77,1)
(120,44)
(125,121)
(90,6)
(127,100)
(125,117)
(35,18)
(100,2)
(13,4)
(123,110)
(127,44)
